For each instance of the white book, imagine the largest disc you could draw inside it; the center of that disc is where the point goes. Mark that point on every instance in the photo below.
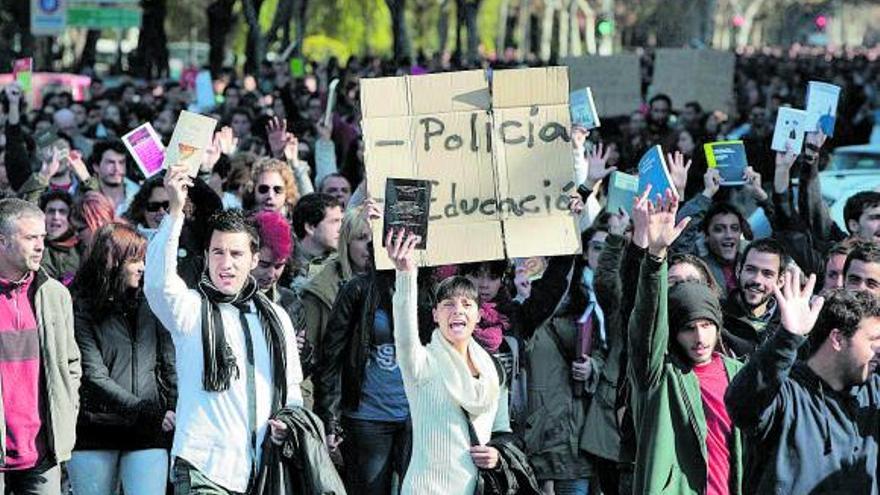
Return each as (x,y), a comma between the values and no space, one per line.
(191,138)
(790,129)
(822,101)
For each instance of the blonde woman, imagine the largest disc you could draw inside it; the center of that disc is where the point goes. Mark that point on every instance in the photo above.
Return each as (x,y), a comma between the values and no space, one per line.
(273,188)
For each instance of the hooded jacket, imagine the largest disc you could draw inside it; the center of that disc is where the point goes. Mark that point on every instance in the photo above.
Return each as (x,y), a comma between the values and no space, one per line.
(667,403)
(805,437)
(742,335)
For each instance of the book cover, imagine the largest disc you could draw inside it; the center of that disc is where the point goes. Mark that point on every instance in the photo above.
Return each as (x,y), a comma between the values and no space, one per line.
(622,188)
(205,98)
(789,130)
(822,99)
(191,138)
(653,171)
(407,206)
(145,146)
(532,268)
(583,109)
(22,71)
(729,157)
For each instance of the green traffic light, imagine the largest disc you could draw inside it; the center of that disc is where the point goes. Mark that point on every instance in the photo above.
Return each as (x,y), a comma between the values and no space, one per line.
(605,27)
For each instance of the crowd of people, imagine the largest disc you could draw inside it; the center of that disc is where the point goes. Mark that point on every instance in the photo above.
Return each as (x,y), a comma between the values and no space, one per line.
(228,333)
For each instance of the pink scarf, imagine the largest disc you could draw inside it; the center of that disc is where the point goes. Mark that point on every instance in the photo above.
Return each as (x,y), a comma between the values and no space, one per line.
(489,332)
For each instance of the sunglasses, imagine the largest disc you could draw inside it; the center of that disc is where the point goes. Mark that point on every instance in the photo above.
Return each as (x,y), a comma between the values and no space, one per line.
(154,206)
(264,189)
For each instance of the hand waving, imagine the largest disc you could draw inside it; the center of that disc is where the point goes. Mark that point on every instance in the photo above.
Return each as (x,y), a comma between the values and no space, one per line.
(662,229)
(597,159)
(678,169)
(276,130)
(798,309)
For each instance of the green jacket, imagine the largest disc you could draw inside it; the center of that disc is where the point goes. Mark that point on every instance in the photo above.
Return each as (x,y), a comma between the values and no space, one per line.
(61,262)
(667,405)
(318,296)
(556,417)
(60,364)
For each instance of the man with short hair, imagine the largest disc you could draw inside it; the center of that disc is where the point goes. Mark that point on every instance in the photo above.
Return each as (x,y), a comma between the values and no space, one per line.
(237,363)
(813,423)
(316,221)
(835,263)
(861,271)
(109,163)
(750,309)
(40,367)
(336,185)
(862,215)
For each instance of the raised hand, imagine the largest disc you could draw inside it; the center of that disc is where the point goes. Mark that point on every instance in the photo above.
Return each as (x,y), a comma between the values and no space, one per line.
(640,216)
(782,173)
(225,139)
(74,159)
(324,131)
(291,147)
(370,210)
(597,159)
(678,169)
(177,181)
(51,164)
(401,249)
(662,229)
(618,222)
(578,137)
(798,309)
(711,182)
(575,204)
(276,130)
(753,184)
(813,142)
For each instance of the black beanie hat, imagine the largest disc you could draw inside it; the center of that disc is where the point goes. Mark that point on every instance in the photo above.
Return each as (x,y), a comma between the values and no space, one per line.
(689,301)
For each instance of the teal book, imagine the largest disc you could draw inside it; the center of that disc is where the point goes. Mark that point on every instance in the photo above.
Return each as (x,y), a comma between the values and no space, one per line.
(622,189)
(583,109)
(653,171)
(729,157)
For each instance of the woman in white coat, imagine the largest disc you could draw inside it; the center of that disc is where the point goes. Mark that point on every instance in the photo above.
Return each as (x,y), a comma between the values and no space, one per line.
(448,382)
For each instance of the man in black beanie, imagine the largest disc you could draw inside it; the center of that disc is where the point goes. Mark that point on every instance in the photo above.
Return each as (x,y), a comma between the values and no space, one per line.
(687,442)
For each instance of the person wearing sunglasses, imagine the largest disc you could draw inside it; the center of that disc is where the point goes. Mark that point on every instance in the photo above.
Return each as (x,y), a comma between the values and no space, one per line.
(149,206)
(273,188)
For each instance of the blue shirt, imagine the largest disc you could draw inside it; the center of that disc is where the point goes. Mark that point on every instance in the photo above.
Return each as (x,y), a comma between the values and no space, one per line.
(382,395)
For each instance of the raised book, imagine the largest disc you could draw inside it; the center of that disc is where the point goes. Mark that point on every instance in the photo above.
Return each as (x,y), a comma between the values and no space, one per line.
(654,172)
(822,101)
(729,157)
(191,138)
(407,206)
(583,109)
(145,146)
(789,130)
(622,188)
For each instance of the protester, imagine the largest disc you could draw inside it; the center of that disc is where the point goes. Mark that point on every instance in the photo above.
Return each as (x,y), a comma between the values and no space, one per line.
(129,384)
(316,221)
(149,206)
(108,162)
(236,359)
(675,369)
(61,258)
(273,189)
(861,271)
(336,185)
(802,417)
(91,211)
(40,367)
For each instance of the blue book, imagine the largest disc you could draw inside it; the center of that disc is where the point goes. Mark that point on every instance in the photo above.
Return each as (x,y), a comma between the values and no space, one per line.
(822,101)
(653,171)
(622,188)
(729,157)
(583,109)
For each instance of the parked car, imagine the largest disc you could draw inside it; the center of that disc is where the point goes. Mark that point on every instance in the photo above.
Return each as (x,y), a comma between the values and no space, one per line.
(851,169)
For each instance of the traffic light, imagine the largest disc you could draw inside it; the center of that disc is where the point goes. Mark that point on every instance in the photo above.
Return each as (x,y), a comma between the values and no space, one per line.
(821,22)
(605,27)
(738,21)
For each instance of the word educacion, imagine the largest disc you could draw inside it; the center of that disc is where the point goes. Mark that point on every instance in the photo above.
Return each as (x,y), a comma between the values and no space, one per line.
(490,207)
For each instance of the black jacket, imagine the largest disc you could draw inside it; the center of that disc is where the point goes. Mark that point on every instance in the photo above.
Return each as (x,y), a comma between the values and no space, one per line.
(740,335)
(804,437)
(129,380)
(339,374)
(301,465)
(513,475)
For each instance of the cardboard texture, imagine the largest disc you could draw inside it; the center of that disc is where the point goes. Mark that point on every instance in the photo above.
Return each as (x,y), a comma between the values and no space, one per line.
(614,79)
(498,164)
(705,76)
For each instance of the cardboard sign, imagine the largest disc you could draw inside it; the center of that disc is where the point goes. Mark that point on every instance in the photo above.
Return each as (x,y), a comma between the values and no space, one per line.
(145,146)
(704,76)
(615,81)
(407,206)
(789,130)
(191,138)
(729,157)
(500,163)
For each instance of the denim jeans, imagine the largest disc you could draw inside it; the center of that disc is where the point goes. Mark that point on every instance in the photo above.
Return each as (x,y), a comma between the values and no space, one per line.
(40,480)
(190,481)
(373,451)
(99,472)
(571,487)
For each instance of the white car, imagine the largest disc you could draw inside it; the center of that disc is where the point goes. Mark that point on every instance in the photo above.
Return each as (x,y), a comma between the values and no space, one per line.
(851,169)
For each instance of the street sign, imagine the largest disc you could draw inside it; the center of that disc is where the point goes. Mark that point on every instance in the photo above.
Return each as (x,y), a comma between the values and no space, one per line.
(103,16)
(48,17)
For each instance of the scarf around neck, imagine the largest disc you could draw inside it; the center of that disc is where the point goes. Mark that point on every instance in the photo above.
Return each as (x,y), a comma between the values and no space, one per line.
(474,395)
(220,363)
(491,328)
